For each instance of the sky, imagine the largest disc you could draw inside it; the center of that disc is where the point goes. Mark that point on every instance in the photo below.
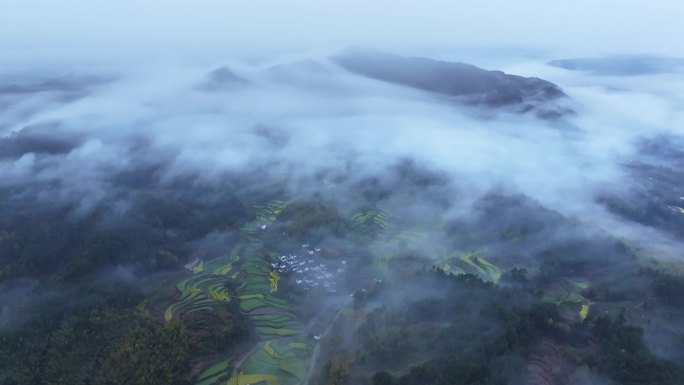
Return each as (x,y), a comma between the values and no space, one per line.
(96,30)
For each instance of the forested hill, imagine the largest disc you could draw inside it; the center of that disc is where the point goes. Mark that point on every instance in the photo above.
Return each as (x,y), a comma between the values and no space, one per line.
(250,288)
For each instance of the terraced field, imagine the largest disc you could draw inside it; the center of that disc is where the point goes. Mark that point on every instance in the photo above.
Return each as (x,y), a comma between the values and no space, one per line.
(282,353)
(249,275)
(386,237)
(567,294)
(470,264)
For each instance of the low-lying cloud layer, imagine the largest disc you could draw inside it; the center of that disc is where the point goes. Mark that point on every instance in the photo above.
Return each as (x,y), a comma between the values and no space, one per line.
(311,121)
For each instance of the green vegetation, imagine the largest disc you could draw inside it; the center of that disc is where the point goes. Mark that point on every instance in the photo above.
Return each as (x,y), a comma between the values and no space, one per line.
(369,224)
(312,221)
(470,264)
(235,318)
(281,355)
(437,339)
(107,340)
(670,288)
(50,241)
(624,357)
(215,373)
(568,293)
(436,336)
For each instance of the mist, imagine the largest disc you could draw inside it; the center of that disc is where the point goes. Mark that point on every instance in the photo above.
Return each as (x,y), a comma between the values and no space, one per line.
(300,125)
(403,171)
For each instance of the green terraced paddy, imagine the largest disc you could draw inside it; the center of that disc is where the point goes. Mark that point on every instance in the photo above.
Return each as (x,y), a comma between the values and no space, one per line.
(279,358)
(567,293)
(215,373)
(241,378)
(201,289)
(275,321)
(251,305)
(470,264)
(269,331)
(387,237)
(257,287)
(282,353)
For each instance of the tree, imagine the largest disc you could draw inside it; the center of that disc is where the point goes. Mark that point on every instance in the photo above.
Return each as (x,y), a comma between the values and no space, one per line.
(383,378)
(337,371)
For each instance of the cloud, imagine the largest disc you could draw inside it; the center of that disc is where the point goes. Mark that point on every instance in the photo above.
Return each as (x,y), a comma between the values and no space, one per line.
(344,122)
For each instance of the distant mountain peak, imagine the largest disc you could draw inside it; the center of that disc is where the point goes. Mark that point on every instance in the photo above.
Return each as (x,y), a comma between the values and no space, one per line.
(622,65)
(222,79)
(466,82)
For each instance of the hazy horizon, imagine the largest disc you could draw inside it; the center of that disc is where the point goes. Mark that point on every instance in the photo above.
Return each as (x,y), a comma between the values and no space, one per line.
(74,32)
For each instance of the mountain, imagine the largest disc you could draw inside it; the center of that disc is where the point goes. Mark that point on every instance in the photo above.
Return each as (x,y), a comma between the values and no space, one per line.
(470,84)
(222,79)
(301,72)
(622,65)
(65,84)
(36,139)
